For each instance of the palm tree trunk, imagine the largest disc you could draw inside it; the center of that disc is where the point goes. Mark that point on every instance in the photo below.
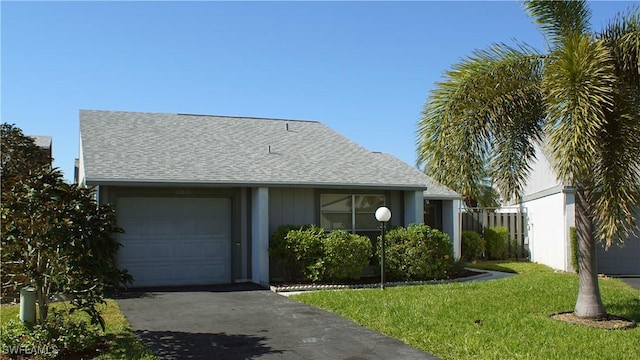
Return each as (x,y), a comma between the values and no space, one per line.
(589,303)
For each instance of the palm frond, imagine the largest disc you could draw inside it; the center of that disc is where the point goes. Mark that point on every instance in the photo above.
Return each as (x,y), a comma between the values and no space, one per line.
(616,192)
(616,186)
(579,80)
(622,36)
(446,146)
(560,19)
(513,151)
(466,117)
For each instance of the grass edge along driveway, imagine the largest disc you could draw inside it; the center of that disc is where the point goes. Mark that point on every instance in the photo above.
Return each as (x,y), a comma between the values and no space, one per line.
(497,319)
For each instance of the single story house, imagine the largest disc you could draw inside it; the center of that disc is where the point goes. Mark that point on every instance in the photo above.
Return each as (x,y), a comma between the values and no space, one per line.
(551,212)
(198,196)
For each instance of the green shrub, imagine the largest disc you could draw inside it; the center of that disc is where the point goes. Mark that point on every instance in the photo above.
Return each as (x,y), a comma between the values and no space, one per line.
(57,337)
(54,235)
(573,238)
(306,244)
(496,243)
(517,250)
(472,246)
(513,248)
(296,250)
(417,253)
(345,255)
(281,251)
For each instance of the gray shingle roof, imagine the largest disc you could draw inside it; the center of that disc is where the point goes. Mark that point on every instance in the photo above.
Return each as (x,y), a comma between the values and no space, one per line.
(437,191)
(42,141)
(177,148)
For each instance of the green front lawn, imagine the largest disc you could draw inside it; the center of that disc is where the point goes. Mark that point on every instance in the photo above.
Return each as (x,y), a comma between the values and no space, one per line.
(498,319)
(122,342)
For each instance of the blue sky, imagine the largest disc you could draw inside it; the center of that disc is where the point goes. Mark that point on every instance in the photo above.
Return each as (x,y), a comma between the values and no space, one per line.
(363,68)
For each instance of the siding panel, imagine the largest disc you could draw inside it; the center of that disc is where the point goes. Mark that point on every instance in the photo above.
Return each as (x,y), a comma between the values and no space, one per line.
(291,206)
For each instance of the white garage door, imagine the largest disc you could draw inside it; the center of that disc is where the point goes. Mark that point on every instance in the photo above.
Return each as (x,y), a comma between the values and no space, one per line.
(175,241)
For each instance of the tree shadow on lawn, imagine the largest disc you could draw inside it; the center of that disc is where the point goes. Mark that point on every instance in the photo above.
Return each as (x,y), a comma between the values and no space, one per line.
(629,309)
(183,345)
(493,265)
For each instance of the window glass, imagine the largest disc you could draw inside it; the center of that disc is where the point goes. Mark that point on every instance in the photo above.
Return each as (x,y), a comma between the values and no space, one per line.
(366,206)
(369,203)
(366,221)
(336,203)
(338,211)
(335,221)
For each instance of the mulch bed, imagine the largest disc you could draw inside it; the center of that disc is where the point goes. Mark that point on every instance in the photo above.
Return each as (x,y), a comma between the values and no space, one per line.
(609,322)
(366,282)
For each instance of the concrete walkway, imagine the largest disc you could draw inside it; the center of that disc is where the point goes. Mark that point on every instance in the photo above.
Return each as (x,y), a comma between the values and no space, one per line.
(492,275)
(246,322)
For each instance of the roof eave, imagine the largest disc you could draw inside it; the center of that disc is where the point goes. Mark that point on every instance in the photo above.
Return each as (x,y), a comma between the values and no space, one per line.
(191,183)
(442,197)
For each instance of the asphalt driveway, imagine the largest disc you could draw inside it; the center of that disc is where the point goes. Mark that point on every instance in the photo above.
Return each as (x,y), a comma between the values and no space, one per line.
(247,322)
(632,281)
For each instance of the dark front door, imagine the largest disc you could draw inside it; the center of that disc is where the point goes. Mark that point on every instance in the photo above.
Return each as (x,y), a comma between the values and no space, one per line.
(433,213)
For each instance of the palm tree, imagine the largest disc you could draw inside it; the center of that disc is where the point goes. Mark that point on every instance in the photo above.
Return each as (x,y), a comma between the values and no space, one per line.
(580,99)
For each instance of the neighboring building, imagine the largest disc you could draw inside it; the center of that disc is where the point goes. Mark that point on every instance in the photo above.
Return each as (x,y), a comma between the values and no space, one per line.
(199,196)
(76,170)
(45,143)
(550,207)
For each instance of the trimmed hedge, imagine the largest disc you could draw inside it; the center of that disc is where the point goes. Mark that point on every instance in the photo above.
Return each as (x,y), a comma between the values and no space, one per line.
(308,252)
(344,256)
(417,253)
(414,253)
(472,246)
(295,249)
(497,243)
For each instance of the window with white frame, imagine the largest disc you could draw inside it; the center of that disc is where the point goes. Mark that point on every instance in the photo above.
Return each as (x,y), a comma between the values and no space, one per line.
(351,212)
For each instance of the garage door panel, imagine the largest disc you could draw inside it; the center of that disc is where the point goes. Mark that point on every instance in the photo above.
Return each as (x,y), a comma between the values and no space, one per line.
(133,227)
(197,248)
(175,241)
(184,251)
(187,227)
(177,275)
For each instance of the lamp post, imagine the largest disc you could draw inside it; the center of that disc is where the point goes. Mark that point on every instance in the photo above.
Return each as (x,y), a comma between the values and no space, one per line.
(383,214)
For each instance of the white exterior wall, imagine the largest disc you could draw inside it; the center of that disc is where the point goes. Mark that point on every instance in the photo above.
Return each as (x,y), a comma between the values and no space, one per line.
(542,177)
(81,174)
(550,214)
(548,231)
